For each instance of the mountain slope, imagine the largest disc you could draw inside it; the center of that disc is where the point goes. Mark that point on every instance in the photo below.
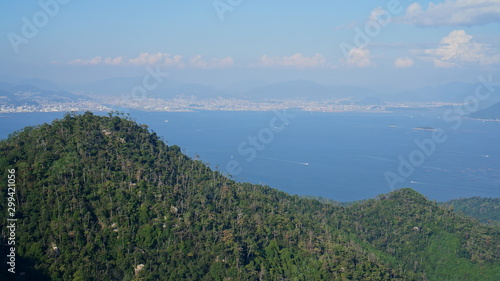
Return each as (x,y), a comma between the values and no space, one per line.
(102,198)
(486,210)
(27,94)
(428,238)
(492,112)
(308,90)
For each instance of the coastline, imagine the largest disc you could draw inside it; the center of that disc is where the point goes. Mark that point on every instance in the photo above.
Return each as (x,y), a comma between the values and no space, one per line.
(485,120)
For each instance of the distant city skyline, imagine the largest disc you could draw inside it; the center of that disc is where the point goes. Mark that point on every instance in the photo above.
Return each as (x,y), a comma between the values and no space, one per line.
(380,44)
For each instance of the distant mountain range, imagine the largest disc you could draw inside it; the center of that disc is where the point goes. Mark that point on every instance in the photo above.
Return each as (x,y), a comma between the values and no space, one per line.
(19,94)
(454,92)
(449,92)
(309,90)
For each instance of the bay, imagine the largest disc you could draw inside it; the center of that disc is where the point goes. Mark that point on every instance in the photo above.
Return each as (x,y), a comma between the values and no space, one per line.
(342,156)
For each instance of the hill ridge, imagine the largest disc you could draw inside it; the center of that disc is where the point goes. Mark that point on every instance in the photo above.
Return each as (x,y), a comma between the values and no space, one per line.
(107,191)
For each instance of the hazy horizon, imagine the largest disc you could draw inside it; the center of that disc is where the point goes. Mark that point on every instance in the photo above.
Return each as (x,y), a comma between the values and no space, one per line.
(382,45)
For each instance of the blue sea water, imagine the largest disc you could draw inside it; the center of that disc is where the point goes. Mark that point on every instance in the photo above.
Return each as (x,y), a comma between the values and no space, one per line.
(342,156)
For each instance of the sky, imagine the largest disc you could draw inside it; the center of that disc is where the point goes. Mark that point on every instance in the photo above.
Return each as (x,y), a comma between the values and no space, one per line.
(388,44)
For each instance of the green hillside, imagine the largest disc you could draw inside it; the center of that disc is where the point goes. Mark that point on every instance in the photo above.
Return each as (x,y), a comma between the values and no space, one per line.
(103,198)
(486,210)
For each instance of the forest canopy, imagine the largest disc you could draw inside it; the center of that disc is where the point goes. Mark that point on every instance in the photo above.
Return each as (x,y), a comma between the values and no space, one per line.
(104,198)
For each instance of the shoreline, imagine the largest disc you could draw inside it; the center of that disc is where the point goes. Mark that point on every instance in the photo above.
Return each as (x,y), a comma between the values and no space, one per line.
(485,120)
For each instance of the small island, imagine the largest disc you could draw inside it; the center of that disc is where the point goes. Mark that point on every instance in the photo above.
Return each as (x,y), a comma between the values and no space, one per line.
(425,129)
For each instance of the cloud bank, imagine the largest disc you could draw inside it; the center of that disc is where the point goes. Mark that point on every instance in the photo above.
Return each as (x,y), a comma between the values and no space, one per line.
(456,12)
(403,62)
(163,59)
(458,48)
(297,60)
(359,57)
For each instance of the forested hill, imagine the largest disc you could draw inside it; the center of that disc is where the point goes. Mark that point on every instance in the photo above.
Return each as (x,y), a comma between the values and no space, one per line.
(102,198)
(486,210)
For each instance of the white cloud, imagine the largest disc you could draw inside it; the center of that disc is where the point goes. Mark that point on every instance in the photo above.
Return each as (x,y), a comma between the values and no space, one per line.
(359,57)
(199,62)
(173,61)
(159,58)
(147,58)
(114,61)
(376,13)
(458,48)
(453,12)
(295,61)
(93,61)
(403,62)
(444,64)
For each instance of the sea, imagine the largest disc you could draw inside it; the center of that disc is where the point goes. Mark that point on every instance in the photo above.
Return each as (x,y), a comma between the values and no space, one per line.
(341,156)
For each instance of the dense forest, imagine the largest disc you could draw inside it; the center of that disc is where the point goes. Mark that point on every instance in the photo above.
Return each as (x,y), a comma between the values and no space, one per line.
(103,198)
(486,210)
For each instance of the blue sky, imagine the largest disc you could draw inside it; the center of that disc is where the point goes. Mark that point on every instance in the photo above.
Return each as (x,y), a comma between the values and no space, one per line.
(392,44)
